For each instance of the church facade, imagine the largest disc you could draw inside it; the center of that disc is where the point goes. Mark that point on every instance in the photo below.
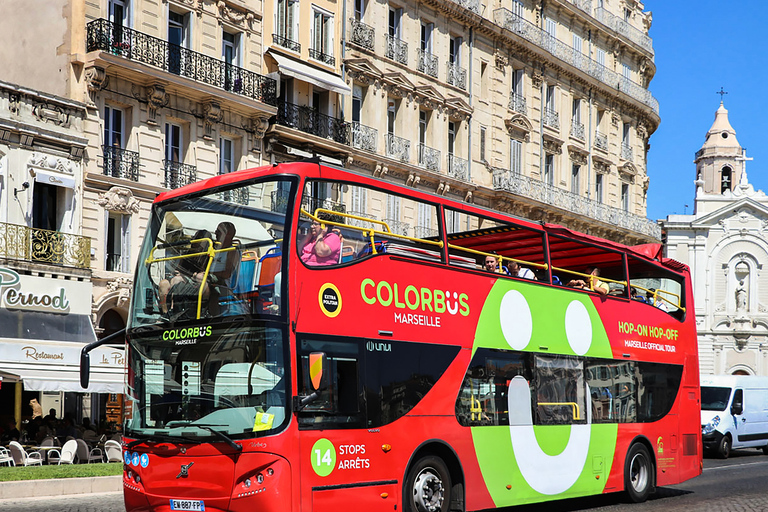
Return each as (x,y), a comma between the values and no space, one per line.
(725,244)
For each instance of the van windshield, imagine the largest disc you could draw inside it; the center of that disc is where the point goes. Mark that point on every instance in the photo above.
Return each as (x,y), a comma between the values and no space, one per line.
(714,399)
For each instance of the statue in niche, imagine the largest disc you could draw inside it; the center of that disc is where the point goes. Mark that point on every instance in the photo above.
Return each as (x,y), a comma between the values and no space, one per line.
(741,297)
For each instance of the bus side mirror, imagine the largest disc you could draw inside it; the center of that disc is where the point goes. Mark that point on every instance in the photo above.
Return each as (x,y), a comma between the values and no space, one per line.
(318,370)
(85,369)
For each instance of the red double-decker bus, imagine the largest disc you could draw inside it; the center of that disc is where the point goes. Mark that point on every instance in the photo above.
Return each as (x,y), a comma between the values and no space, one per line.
(306,338)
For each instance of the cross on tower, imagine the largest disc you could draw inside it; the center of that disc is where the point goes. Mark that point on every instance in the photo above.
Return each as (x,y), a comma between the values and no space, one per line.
(722,93)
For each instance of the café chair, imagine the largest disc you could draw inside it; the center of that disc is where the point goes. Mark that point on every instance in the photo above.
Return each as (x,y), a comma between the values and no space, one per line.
(114,451)
(68,453)
(22,458)
(6,457)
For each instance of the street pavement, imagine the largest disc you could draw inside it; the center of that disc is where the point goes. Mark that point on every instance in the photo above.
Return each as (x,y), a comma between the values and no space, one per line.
(102,502)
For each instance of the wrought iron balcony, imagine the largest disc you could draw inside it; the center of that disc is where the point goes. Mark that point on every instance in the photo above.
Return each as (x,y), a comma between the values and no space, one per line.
(114,262)
(322,57)
(280,200)
(517,103)
(398,148)
(239,195)
(311,204)
(308,120)
(601,141)
(397,50)
(362,137)
(106,36)
(456,75)
(289,44)
(622,27)
(178,174)
(458,168)
(626,152)
(524,186)
(530,32)
(551,118)
(427,63)
(397,226)
(44,246)
(361,223)
(429,158)
(424,232)
(577,130)
(362,35)
(121,163)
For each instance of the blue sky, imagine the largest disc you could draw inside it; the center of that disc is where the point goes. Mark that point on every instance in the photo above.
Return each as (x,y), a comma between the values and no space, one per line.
(702,46)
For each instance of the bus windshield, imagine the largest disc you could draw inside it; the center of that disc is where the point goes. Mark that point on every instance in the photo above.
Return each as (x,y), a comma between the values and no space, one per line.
(714,398)
(214,255)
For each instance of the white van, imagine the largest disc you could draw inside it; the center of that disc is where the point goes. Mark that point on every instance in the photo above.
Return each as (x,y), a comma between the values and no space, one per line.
(734,413)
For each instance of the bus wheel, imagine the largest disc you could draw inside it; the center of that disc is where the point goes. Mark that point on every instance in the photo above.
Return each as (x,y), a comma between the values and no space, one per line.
(427,486)
(724,448)
(638,473)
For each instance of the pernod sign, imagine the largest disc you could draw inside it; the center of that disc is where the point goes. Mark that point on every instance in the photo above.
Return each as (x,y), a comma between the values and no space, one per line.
(15,296)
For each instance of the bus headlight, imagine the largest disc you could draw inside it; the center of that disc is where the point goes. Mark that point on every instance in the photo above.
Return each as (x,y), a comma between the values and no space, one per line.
(711,426)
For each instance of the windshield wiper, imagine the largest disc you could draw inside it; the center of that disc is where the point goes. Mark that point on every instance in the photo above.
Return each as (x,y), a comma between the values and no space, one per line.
(159,438)
(212,430)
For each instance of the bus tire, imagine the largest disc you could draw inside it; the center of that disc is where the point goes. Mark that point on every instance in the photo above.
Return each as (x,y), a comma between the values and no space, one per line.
(724,448)
(427,486)
(638,473)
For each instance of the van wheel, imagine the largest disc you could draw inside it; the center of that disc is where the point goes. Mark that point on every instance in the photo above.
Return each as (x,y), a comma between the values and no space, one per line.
(765,449)
(428,486)
(638,473)
(724,448)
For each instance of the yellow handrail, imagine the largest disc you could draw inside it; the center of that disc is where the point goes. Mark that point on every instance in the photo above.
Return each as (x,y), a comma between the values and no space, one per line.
(574,405)
(498,257)
(657,296)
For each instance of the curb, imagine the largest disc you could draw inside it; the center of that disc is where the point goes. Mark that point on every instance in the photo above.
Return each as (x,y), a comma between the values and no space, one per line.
(60,487)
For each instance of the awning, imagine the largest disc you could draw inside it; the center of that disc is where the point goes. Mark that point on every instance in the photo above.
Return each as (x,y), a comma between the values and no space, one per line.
(67,378)
(54,178)
(311,74)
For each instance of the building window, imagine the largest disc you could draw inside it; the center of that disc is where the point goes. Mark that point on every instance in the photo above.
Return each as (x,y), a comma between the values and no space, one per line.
(484,79)
(625,197)
(725,179)
(226,160)
(395,19)
(173,143)
(391,112)
(231,57)
(451,137)
(357,102)
(423,122)
(426,36)
(118,243)
(626,71)
(286,21)
(549,169)
(322,37)
(113,127)
(599,188)
(454,51)
(359,10)
(118,13)
(515,156)
(550,98)
(178,38)
(575,180)
(517,82)
(576,111)
(600,56)
(517,8)
(482,144)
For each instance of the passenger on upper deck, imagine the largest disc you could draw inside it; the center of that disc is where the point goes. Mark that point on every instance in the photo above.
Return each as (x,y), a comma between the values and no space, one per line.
(516,270)
(592,283)
(492,262)
(651,297)
(320,246)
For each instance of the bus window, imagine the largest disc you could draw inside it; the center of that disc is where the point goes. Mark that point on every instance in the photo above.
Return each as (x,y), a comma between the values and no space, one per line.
(560,390)
(656,286)
(572,261)
(476,241)
(344,222)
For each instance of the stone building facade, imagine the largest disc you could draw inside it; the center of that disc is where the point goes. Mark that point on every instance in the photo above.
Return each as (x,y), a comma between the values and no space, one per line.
(724,243)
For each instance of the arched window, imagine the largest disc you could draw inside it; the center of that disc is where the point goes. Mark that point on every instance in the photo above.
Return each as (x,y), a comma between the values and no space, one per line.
(725,179)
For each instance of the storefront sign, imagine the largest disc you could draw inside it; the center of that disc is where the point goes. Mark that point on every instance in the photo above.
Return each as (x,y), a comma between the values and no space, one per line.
(47,352)
(31,293)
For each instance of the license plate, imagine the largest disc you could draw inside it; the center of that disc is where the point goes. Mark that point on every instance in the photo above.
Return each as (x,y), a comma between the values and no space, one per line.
(187,505)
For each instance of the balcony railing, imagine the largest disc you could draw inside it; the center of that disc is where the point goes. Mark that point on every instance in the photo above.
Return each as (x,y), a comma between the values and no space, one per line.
(551,118)
(398,148)
(530,32)
(626,152)
(280,199)
(322,57)
(577,130)
(44,246)
(239,195)
(517,103)
(458,168)
(362,34)
(397,226)
(601,141)
(424,232)
(308,120)
(427,63)
(397,50)
(361,223)
(108,37)
(456,76)
(121,163)
(584,5)
(362,137)
(472,5)
(537,190)
(178,174)
(622,27)
(429,158)
(289,44)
